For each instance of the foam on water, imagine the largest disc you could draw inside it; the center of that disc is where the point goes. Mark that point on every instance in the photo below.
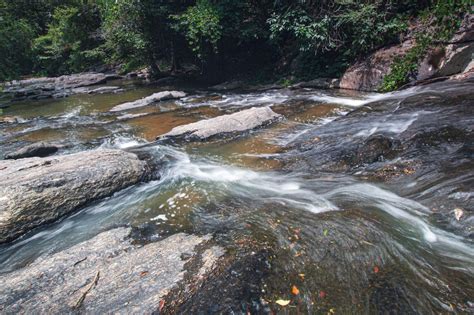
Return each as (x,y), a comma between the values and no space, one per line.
(122,142)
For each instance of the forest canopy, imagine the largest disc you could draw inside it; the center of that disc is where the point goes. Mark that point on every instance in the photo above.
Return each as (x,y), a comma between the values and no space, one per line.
(214,37)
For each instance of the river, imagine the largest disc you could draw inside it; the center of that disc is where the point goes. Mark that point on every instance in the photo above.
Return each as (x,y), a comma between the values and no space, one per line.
(349,241)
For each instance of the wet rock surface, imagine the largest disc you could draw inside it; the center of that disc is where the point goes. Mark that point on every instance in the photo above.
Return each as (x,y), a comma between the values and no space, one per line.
(320,83)
(57,87)
(156,97)
(35,191)
(371,213)
(39,149)
(106,274)
(226,124)
(420,139)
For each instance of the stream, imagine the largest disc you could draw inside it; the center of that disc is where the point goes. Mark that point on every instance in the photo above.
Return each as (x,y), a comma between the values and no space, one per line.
(289,214)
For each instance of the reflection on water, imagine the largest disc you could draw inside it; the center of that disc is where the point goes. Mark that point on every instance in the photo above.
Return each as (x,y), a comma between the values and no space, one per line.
(348,246)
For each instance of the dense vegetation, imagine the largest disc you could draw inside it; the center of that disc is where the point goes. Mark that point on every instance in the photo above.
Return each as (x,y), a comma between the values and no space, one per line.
(215,38)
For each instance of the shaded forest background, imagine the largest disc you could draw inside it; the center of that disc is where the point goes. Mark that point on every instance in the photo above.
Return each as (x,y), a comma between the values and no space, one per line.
(214,39)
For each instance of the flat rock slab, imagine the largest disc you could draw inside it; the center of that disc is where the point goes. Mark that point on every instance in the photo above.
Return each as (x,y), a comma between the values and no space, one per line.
(39,149)
(35,191)
(156,97)
(58,87)
(238,122)
(128,279)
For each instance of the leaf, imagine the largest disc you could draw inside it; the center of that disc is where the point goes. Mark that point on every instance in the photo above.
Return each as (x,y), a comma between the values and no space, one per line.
(458,213)
(295,290)
(376,269)
(301,275)
(322,294)
(325,232)
(282,302)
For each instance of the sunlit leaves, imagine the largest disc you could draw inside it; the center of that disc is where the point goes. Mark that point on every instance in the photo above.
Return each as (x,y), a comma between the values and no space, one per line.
(201,27)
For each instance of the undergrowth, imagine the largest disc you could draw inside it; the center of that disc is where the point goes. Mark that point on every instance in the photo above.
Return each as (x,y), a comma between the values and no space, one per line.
(438,24)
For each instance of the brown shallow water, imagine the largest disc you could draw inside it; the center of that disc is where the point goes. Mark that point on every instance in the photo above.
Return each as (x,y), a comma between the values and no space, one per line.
(347,245)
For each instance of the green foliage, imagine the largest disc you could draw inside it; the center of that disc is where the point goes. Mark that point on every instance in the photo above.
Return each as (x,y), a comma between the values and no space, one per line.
(365,27)
(403,69)
(123,33)
(350,27)
(70,43)
(439,23)
(201,27)
(311,34)
(15,47)
(301,38)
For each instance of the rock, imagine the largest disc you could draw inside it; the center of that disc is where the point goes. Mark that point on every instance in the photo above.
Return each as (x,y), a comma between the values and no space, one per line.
(40,88)
(456,57)
(39,149)
(8,119)
(228,86)
(113,76)
(99,90)
(238,122)
(166,81)
(131,116)
(367,75)
(130,278)
(459,53)
(157,97)
(319,83)
(375,148)
(35,191)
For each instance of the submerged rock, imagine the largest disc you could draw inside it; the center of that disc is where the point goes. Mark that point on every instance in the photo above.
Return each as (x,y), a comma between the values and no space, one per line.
(157,97)
(39,149)
(238,122)
(107,274)
(35,191)
(417,140)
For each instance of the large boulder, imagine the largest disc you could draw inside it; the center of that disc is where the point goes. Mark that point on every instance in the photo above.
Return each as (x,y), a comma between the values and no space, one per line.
(460,51)
(156,97)
(233,123)
(107,274)
(39,149)
(35,191)
(368,74)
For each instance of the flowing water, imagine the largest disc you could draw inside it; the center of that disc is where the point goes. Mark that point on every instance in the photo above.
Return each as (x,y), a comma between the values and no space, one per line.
(349,245)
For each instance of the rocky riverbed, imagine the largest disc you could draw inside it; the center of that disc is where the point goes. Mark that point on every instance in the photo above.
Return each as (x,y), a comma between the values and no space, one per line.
(292,200)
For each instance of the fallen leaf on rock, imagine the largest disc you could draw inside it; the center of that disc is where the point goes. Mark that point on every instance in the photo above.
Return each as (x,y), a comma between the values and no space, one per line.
(325,232)
(458,213)
(143,273)
(295,290)
(162,304)
(376,269)
(322,294)
(282,302)
(301,275)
